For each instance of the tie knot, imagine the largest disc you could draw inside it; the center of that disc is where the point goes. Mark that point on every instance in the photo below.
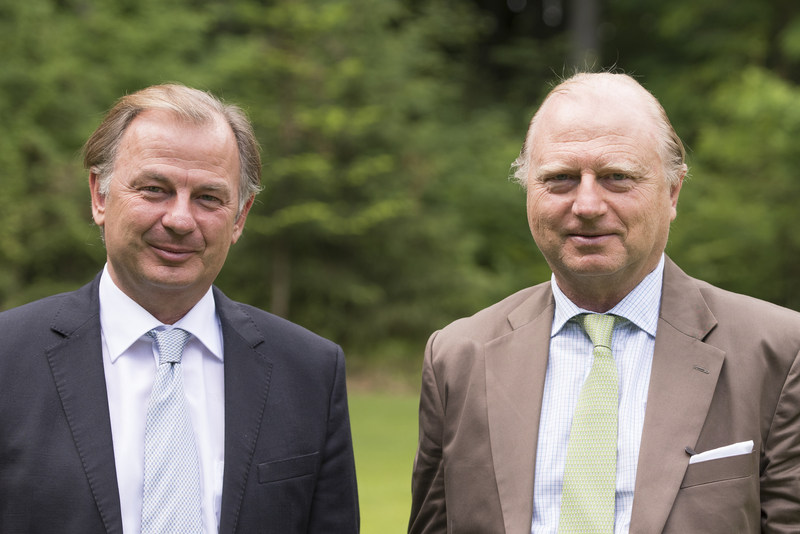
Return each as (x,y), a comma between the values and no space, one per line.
(170,344)
(599,327)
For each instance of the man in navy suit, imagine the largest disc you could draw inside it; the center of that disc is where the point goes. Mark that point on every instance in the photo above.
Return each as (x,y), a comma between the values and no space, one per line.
(173,174)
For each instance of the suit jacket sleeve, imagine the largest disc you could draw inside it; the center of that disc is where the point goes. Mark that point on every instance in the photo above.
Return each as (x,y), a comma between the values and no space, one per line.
(428,509)
(335,504)
(780,471)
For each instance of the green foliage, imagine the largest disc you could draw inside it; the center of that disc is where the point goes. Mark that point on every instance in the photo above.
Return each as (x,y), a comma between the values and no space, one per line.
(727,76)
(378,178)
(387,130)
(366,159)
(741,206)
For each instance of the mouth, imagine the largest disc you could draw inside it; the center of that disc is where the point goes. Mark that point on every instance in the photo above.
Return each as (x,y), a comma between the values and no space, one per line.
(589,238)
(172,253)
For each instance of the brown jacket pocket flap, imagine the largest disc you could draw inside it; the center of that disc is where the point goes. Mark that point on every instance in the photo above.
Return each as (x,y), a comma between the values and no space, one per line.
(738,466)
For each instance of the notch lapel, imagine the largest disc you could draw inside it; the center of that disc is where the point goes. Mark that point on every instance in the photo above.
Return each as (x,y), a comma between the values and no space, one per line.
(682,384)
(77,366)
(247,379)
(515,370)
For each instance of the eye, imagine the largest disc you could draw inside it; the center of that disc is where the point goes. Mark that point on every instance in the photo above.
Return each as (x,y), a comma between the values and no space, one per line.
(560,182)
(556,179)
(618,181)
(209,200)
(151,189)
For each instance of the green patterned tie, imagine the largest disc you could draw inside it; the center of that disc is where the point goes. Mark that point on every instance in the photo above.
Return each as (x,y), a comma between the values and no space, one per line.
(588,496)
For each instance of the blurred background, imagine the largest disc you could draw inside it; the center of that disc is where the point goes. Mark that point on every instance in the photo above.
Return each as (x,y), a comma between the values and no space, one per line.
(388,128)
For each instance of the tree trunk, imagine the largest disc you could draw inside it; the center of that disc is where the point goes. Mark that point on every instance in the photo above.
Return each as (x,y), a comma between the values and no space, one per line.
(584,19)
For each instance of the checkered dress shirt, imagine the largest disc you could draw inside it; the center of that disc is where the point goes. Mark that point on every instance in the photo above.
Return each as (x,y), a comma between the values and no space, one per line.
(568,365)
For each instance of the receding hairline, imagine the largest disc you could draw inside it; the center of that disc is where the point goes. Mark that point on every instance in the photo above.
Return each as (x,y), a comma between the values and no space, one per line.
(602,86)
(185,103)
(172,117)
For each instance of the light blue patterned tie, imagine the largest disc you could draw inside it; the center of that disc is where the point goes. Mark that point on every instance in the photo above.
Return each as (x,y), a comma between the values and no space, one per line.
(590,473)
(171,500)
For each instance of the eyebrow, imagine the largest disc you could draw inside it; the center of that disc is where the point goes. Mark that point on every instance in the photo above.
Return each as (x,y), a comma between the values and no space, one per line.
(163,179)
(630,168)
(150,175)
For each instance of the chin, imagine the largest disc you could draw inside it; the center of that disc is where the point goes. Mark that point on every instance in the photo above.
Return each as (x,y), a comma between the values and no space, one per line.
(173,280)
(593,267)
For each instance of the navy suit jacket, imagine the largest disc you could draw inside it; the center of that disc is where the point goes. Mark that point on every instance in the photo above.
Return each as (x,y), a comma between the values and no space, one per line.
(288,453)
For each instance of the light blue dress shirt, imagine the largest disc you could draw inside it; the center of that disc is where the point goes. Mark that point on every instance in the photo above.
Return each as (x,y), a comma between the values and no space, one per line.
(568,366)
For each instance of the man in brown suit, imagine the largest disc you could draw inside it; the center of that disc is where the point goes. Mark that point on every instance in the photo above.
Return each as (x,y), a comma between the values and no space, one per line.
(708,438)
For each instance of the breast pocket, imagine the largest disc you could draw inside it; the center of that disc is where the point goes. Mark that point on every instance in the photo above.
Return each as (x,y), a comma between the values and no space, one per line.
(740,466)
(288,468)
(718,496)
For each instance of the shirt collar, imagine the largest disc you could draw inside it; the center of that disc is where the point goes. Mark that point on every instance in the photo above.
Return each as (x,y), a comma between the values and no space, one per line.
(641,306)
(123,321)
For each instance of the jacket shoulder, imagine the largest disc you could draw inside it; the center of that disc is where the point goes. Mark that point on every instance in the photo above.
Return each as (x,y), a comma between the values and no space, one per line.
(721,298)
(64,312)
(746,312)
(256,326)
(502,317)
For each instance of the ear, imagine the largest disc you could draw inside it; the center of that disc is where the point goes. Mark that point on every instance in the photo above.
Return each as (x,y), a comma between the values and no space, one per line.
(98,200)
(674,192)
(238,226)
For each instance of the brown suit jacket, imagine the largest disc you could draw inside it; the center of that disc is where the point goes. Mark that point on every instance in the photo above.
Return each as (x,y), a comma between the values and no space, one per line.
(725,370)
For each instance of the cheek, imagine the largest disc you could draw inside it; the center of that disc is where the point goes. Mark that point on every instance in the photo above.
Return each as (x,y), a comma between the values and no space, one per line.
(546,214)
(217,232)
(534,205)
(650,226)
(544,231)
(132,212)
(534,221)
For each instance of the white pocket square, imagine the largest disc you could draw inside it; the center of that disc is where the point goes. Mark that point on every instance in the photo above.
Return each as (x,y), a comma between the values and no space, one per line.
(743,447)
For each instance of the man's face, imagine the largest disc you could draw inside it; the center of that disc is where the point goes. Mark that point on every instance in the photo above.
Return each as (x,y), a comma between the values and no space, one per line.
(599,207)
(169,217)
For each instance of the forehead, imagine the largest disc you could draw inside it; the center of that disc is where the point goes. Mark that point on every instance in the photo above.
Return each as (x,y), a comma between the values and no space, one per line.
(160,137)
(595,124)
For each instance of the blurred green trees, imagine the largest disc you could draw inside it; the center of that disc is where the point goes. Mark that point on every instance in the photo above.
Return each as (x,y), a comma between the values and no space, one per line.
(388,128)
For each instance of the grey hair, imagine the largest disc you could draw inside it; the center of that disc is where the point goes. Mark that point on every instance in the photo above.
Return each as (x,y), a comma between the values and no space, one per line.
(193,105)
(670,146)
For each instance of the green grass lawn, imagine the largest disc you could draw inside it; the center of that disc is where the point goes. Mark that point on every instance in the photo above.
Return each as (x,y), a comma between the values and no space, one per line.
(384,429)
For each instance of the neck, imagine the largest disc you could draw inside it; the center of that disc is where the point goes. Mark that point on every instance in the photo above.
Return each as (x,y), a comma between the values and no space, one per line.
(600,293)
(597,296)
(170,307)
(168,317)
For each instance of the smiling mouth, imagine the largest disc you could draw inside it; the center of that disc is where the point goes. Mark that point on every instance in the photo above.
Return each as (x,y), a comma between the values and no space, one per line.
(172,254)
(589,239)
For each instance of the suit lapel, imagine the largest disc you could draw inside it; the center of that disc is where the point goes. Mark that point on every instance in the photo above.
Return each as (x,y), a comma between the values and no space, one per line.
(77,366)
(515,370)
(247,378)
(682,383)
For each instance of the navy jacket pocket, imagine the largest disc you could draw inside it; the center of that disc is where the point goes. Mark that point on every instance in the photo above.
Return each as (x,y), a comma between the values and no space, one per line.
(285,469)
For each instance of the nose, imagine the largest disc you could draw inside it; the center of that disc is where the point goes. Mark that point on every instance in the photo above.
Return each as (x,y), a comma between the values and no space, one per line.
(589,202)
(178,217)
